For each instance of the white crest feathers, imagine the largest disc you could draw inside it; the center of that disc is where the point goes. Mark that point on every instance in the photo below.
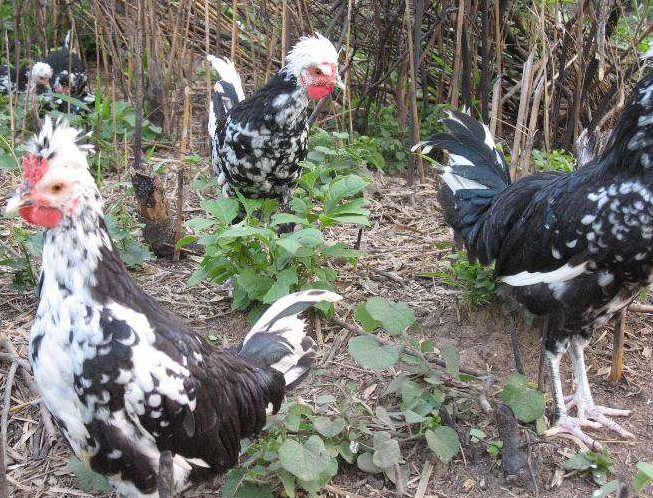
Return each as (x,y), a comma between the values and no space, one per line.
(310,50)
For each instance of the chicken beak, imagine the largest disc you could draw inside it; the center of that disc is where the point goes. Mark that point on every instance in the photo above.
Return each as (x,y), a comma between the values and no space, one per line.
(19,200)
(339,83)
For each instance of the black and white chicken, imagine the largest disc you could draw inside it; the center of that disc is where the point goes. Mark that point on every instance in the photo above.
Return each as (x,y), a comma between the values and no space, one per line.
(257,143)
(69,77)
(35,79)
(576,247)
(124,379)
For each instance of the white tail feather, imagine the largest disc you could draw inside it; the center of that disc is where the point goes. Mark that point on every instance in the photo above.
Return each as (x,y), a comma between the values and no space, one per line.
(455,182)
(562,274)
(227,72)
(281,320)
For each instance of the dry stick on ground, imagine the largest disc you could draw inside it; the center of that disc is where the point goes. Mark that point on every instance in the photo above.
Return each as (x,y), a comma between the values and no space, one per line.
(541,370)
(12,124)
(527,78)
(26,372)
(458,56)
(515,462)
(4,489)
(617,368)
(413,124)
(515,346)
(180,172)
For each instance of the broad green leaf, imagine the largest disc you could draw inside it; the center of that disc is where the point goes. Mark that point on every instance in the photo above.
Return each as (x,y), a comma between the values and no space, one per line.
(199,224)
(281,218)
(224,209)
(7,162)
(329,427)
(382,414)
(452,359)
(305,461)
(643,478)
(343,188)
(247,231)
(281,288)
(410,390)
(254,284)
(476,434)
(344,450)
(444,442)
(365,463)
(362,316)
(395,318)
(341,251)
(292,421)
(386,450)
(184,241)
(237,486)
(516,386)
(88,479)
(529,407)
(609,488)
(289,244)
(370,353)
(288,482)
(308,237)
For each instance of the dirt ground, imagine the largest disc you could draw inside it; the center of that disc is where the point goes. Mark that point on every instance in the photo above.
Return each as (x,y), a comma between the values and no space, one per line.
(401,244)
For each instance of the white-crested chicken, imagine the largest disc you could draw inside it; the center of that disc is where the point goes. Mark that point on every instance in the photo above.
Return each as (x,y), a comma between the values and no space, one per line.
(124,379)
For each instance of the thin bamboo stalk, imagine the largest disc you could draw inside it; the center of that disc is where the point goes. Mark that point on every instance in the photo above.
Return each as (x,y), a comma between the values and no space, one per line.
(458,55)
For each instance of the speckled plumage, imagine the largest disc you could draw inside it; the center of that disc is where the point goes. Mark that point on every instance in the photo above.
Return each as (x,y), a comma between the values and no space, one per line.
(123,378)
(258,148)
(8,82)
(576,246)
(258,143)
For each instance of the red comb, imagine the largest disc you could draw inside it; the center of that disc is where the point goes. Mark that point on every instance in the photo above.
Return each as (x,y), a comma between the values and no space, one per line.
(34,168)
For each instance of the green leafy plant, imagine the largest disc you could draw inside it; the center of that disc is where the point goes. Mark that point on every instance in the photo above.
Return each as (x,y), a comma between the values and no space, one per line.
(379,312)
(23,246)
(526,402)
(335,151)
(122,227)
(556,160)
(89,481)
(265,265)
(475,281)
(597,465)
(642,480)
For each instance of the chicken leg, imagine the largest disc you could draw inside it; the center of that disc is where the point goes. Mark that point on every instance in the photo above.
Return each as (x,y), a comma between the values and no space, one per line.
(588,413)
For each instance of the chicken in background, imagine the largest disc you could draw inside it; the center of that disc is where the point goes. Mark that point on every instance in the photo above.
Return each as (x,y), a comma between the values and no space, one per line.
(258,142)
(124,379)
(69,77)
(36,79)
(575,247)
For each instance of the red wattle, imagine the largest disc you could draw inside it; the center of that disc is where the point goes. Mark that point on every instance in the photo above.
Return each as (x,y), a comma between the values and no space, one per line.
(45,217)
(319,91)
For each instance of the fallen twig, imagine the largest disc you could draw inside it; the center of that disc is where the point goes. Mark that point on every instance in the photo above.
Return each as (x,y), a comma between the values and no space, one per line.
(641,308)
(4,488)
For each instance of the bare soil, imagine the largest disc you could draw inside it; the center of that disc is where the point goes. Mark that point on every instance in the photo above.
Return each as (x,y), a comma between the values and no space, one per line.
(401,244)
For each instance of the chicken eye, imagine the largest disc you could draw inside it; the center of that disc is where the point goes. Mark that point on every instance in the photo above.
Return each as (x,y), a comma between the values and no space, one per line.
(56,188)
(318,71)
